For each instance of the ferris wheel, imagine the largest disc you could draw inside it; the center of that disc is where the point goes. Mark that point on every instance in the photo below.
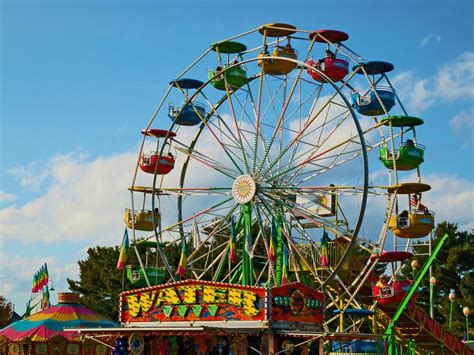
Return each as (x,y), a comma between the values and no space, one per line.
(256,162)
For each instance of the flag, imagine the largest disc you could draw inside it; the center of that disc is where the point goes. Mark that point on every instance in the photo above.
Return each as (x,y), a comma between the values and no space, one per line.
(181,271)
(284,272)
(416,203)
(324,249)
(271,248)
(123,251)
(46,274)
(45,301)
(42,277)
(196,236)
(232,251)
(34,284)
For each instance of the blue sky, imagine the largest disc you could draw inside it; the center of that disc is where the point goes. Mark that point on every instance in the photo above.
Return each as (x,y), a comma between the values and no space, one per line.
(80,79)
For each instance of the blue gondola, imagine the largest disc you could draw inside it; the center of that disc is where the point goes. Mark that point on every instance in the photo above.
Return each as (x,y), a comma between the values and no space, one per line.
(189,113)
(368,104)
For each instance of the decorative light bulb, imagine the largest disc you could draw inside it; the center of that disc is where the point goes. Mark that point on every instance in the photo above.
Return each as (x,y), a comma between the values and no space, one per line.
(452,296)
(466,311)
(433,280)
(414,264)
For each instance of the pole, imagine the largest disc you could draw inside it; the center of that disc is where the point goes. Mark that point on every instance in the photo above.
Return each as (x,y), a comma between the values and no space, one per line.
(431,299)
(467,330)
(431,275)
(389,332)
(450,315)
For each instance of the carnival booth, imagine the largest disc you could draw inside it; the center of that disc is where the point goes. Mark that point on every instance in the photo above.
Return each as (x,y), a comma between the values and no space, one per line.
(43,332)
(203,317)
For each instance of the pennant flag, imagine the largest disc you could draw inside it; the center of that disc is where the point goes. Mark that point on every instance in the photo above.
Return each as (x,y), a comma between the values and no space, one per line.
(123,251)
(284,272)
(324,249)
(45,301)
(232,241)
(33,285)
(249,245)
(196,236)
(46,274)
(42,278)
(181,271)
(272,246)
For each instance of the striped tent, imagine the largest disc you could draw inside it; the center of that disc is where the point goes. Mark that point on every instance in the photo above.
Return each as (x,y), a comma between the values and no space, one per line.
(49,323)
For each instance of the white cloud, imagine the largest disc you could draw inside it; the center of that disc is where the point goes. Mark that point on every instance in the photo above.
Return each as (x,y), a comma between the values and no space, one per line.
(453,81)
(463,126)
(452,198)
(6,197)
(84,201)
(432,37)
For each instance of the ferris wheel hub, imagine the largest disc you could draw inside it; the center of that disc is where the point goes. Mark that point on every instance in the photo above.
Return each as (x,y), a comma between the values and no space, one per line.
(244,189)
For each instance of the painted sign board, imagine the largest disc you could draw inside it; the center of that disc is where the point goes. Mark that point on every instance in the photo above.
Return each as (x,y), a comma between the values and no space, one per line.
(193,300)
(295,302)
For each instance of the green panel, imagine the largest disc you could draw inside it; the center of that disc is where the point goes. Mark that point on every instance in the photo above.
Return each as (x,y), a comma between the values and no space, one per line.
(403,121)
(212,309)
(182,308)
(229,47)
(167,310)
(197,309)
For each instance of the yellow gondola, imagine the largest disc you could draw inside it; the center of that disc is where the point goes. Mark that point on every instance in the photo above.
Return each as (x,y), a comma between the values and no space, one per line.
(278,66)
(143,219)
(414,224)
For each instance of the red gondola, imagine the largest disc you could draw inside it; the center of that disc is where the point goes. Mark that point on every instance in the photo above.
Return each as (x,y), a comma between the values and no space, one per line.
(154,163)
(392,293)
(148,163)
(335,68)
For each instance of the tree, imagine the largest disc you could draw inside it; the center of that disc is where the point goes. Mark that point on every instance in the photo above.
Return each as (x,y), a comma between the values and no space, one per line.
(100,283)
(453,270)
(6,312)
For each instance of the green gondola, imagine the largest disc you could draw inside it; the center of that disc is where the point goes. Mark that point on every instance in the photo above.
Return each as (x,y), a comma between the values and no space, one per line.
(236,77)
(155,275)
(407,157)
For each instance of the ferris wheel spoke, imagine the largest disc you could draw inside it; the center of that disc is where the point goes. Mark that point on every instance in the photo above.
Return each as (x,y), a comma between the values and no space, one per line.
(355,153)
(312,157)
(316,93)
(234,117)
(278,124)
(296,138)
(323,168)
(209,162)
(182,221)
(256,107)
(314,147)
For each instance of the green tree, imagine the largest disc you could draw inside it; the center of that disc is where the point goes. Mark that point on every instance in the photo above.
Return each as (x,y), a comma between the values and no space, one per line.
(100,283)
(6,312)
(453,270)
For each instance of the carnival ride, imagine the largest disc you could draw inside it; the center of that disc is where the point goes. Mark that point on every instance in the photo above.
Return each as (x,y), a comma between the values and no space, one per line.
(268,154)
